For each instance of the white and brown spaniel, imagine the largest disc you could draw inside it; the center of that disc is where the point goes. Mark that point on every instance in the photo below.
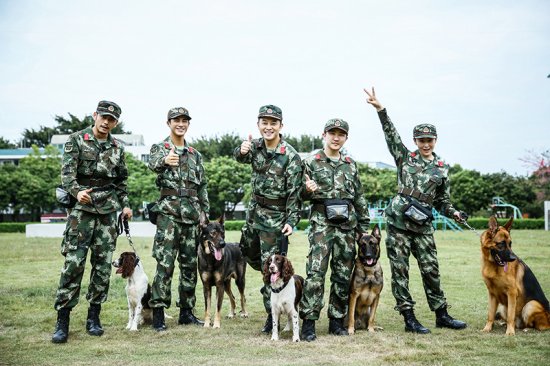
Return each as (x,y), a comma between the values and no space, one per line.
(138,290)
(286,292)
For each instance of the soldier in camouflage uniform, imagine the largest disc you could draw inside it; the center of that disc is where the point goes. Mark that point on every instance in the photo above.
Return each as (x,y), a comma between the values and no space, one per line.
(94,172)
(423,179)
(183,202)
(332,183)
(274,207)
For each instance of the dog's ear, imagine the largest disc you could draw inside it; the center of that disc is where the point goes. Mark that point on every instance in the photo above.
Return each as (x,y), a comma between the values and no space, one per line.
(266,270)
(493,225)
(288,271)
(508,225)
(221,220)
(376,232)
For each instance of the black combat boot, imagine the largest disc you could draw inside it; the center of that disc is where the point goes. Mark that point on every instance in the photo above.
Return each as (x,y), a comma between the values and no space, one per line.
(93,325)
(62,326)
(444,320)
(336,327)
(308,330)
(187,317)
(411,324)
(158,319)
(268,326)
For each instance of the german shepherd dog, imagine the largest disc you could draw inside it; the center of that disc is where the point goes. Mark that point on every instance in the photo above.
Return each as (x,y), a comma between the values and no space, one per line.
(367,282)
(218,263)
(514,292)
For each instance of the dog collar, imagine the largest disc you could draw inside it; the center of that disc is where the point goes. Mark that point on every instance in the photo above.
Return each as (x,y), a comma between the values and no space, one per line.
(136,262)
(280,288)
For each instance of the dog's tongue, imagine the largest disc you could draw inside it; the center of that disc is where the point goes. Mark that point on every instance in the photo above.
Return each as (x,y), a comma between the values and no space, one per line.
(505,266)
(369,261)
(274,277)
(119,270)
(218,254)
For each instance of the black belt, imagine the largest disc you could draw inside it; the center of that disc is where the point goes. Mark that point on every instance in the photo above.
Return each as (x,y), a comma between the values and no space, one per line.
(422,197)
(98,184)
(264,201)
(181,192)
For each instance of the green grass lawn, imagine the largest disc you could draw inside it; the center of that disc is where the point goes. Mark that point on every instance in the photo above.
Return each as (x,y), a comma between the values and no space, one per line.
(29,273)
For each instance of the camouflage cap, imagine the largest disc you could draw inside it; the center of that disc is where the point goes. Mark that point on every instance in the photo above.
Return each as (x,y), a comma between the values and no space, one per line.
(337,123)
(424,130)
(108,108)
(271,111)
(178,111)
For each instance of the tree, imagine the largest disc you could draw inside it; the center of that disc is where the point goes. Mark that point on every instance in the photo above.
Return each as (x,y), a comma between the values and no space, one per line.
(305,143)
(43,135)
(141,183)
(228,180)
(6,144)
(378,184)
(216,146)
(470,192)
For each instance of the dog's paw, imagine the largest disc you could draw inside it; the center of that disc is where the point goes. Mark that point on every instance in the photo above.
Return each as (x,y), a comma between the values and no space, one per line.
(274,338)
(351,330)
(295,339)
(510,332)
(243,314)
(216,325)
(133,329)
(487,328)
(230,316)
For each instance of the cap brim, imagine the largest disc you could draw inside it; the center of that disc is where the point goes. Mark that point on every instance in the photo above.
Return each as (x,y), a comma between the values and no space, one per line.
(336,128)
(179,115)
(108,114)
(270,116)
(425,136)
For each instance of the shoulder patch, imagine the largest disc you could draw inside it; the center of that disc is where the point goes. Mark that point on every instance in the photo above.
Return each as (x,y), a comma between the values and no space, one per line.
(68,146)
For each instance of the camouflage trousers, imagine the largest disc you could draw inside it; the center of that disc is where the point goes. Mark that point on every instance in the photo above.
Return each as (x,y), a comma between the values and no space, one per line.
(324,242)
(174,240)
(84,231)
(257,246)
(400,244)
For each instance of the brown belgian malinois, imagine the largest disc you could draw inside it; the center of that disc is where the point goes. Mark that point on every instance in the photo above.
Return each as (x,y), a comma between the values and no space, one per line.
(514,292)
(366,284)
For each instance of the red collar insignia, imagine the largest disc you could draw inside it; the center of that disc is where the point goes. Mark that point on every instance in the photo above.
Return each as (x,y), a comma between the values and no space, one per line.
(440,163)
(283,149)
(413,154)
(166,145)
(318,156)
(86,137)
(348,159)
(190,149)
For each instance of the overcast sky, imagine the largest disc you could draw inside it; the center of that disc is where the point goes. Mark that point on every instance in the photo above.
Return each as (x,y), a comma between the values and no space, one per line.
(476,69)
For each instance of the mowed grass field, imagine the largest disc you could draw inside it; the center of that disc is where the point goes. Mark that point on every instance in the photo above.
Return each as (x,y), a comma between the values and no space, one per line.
(29,273)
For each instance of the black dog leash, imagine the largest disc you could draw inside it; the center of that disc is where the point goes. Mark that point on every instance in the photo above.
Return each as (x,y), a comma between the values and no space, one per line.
(283,248)
(123,225)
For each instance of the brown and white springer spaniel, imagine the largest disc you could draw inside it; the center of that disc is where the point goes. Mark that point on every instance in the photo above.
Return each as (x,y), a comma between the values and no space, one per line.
(138,290)
(286,293)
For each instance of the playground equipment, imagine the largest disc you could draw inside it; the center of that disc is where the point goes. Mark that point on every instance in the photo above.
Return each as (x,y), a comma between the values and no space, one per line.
(502,209)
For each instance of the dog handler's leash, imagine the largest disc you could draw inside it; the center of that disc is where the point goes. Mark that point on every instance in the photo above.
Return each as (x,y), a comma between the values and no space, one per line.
(283,248)
(464,221)
(123,225)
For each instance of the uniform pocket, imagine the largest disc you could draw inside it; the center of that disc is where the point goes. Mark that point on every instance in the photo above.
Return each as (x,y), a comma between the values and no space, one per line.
(70,241)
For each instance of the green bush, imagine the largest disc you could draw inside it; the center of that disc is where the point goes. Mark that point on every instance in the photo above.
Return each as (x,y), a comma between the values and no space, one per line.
(13,227)
(482,223)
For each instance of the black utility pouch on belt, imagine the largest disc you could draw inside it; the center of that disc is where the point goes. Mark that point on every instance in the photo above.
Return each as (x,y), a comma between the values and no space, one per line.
(415,212)
(336,211)
(64,198)
(152,215)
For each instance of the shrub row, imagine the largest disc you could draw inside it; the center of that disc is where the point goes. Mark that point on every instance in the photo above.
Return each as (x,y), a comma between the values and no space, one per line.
(526,224)
(12,227)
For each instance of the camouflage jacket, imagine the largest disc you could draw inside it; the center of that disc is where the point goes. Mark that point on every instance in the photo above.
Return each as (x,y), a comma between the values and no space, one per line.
(337,180)
(430,178)
(274,176)
(188,175)
(84,158)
